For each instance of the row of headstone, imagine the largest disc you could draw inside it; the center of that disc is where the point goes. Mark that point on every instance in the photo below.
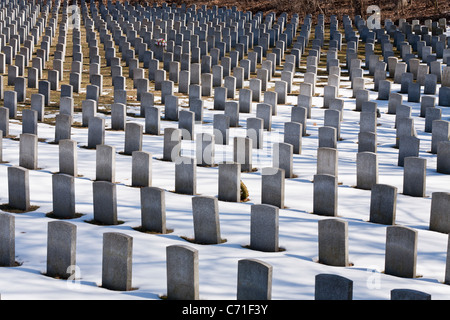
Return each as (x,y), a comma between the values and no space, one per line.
(325,97)
(230,173)
(264,217)
(254,276)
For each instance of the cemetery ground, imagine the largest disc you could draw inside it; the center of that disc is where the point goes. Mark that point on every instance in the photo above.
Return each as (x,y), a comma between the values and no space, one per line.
(294,265)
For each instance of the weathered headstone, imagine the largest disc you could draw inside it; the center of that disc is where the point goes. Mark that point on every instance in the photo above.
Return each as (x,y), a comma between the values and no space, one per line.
(28,151)
(182,273)
(68,157)
(29,121)
(63,191)
(105,163)
(383,204)
(153,209)
(333,242)
(205,212)
(242,152)
(325,195)
(10,102)
(7,240)
(401,251)
(414,176)
(282,157)
(18,188)
(61,249)
(408,147)
(105,202)
(229,182)
(141,169)
(186,176)
(133,137)
(152,120)
(254,280)
(409,294)
(264,228)
(264,111)
(327,161)
(172,144)
(366,170)
(96,132)
(205,149)
(273,186)
(443,157)
(221,127)
(440,212)
(440,132)
(117,261)
(293,132)
(332,287)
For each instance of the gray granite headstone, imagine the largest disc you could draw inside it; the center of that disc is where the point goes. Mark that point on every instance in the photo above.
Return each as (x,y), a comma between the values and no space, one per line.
(401,251)
(7,240)
(61,249)
(414,176)
(264,228)
(383,204)
(133,137)
(205,212)
(68,157)
(153,209)
(327,137)
(141,169)
(333,242)
(440,212)
(29,121)
(28,151)
(245,100)
(172,144)
(63,127)
(205,149)
(408,147)
(327,161)
(242,152)
(255,131)
(254,280)
(232,112)
(117,261)
(325,195)
(118,116)
(10,102)
(443,157)
(105,202)
(395,99)
(366,170)
(182,272)
(18,188)
(426,102)
(440,132)
(221,127)
(96,132)
(229,182)
(283,157)
(63,191)
(105,163)
(409,294)
(293,132)
(152,120)
(333,287)
(186,175)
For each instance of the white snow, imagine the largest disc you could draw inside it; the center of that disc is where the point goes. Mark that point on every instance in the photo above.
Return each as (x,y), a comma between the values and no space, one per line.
(293,269)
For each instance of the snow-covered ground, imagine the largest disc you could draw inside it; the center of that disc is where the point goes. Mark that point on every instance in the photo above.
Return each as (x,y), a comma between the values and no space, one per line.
(294,268)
